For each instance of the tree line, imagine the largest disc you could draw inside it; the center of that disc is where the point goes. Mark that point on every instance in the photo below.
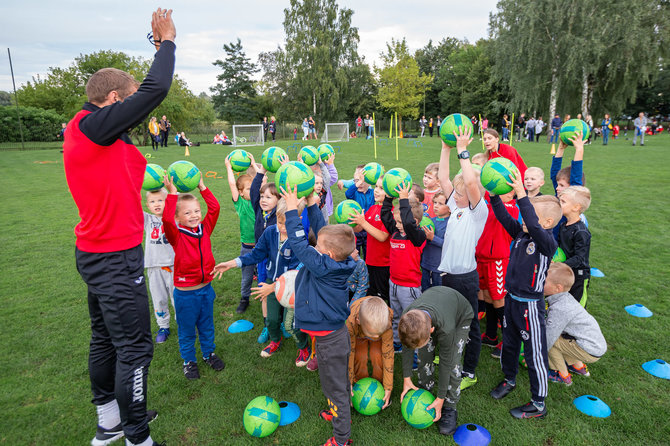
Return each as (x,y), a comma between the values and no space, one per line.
(542,58)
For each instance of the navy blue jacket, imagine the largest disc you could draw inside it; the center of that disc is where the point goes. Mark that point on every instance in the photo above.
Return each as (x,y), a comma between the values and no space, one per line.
(267,248)
(531,251)
(432,253)
(321,291)
(366,200)
(261,222)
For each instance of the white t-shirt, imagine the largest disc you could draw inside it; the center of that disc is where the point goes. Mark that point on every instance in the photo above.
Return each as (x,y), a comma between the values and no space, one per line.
(464,228)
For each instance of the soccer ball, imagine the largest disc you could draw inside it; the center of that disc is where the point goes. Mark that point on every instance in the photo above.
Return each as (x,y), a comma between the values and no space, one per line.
(426,222)
(295,173)
(414,406)
(153,177)
(184,175)
(285,288)
(271,158)
(325,150)
(573,126)
(393,178)
(261,416)
(346,209)
(239,160)
(372,172)
(451,124)
(368,396)
(495,175)
(309,155)
(559,256)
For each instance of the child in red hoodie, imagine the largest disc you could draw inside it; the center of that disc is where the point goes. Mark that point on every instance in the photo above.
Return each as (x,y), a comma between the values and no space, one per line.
(492,255)
(189,234)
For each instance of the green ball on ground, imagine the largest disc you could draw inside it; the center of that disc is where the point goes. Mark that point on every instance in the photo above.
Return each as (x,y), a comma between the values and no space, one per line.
(239,160)
(368,396)
(393,178)
(426,222)
(153,177)
(346,209)
(372,172)
(495,175)
(414,406)
(261,416)
(559,256)
(295,174)
(571,127)
(271,158)
(185,175)
(451,124)
(309,155)
(325,150)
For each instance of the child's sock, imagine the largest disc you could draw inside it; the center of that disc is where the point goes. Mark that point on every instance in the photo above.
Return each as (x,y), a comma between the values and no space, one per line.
(564,374)
(147,442)
(491,321)
(108,415)
(539,405)
(500,313)
(481,306)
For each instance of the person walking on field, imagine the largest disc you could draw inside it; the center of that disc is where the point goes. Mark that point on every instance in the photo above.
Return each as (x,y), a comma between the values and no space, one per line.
(164,126)
(101,161)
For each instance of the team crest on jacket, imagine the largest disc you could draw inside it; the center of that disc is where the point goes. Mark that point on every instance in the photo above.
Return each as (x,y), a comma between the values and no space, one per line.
(459,215)
(530,250)
(524,335)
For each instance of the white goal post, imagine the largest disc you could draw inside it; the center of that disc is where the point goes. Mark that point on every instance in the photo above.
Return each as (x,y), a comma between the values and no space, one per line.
(336,131)
(248,135)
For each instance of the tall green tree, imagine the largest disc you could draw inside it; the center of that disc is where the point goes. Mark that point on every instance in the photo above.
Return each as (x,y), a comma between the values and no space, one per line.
(586,55)
(401,86)
(434,60)
(234,95)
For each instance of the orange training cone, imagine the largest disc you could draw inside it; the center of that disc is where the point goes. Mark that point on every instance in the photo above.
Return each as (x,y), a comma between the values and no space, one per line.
(188,154)
(553,149)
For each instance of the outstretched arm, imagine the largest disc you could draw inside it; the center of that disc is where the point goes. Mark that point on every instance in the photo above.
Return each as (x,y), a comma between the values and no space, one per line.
(469,176)
(443,172)
(231,181)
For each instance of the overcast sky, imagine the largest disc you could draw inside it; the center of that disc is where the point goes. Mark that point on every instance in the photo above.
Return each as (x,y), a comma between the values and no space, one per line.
(43,34)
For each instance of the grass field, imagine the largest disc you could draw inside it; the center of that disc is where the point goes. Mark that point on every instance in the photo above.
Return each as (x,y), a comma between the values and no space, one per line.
(44,385)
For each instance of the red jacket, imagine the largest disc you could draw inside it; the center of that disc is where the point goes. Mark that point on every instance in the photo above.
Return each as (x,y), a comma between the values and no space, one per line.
(106,183)
(193,258)
(511,154)
(494,243)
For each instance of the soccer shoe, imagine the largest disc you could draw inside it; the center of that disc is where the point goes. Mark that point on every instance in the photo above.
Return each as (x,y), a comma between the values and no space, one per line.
(522,360)
(581,371)
(264,336)
(481,315)
(303,357)
(242,307)
(107,436)
(331,442)
(191,370)
(497,352)
(271,348)
(528,410)
(502,390)
(448,421)
(489,342)
(162,335)
(326,414)
(466,382)
(312,364)
(215,362)
(555,376)
(285,333)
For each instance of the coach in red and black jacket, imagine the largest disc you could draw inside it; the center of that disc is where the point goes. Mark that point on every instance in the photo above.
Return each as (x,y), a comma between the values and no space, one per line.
(104,173)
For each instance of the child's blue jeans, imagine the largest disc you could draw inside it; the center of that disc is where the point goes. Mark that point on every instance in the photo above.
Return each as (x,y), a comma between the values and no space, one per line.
(195,309)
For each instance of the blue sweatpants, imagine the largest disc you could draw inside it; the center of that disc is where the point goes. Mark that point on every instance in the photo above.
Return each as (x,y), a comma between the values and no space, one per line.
(195,309)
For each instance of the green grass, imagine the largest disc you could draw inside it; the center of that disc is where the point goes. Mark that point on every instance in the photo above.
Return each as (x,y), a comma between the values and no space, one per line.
(44,389)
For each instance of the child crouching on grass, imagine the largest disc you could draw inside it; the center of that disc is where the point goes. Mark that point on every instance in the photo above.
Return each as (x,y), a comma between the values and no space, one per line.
(321,305)
(189,234)
(371,337)
(573,335)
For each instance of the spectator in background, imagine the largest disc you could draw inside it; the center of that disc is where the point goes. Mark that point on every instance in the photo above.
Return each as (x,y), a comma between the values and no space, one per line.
(359,125)
(505,125)
(164,126)
(312,128)
(61,132)
(154,133)
(272,128)
(431,126)
(519,126)
(555,128)
(366,122)
(422,125)
(183,141)
(530,129)
(640,124)
(265,128)
(539,125)
(305,129)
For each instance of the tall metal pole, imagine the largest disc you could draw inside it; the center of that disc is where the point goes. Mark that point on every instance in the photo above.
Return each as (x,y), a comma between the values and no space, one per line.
(18,112)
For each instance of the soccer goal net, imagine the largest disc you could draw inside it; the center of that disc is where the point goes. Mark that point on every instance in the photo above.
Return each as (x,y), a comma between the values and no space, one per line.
(248,135)
(338,131)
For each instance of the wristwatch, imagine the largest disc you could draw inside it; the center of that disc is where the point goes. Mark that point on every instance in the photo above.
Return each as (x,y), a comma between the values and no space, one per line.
(464,155)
